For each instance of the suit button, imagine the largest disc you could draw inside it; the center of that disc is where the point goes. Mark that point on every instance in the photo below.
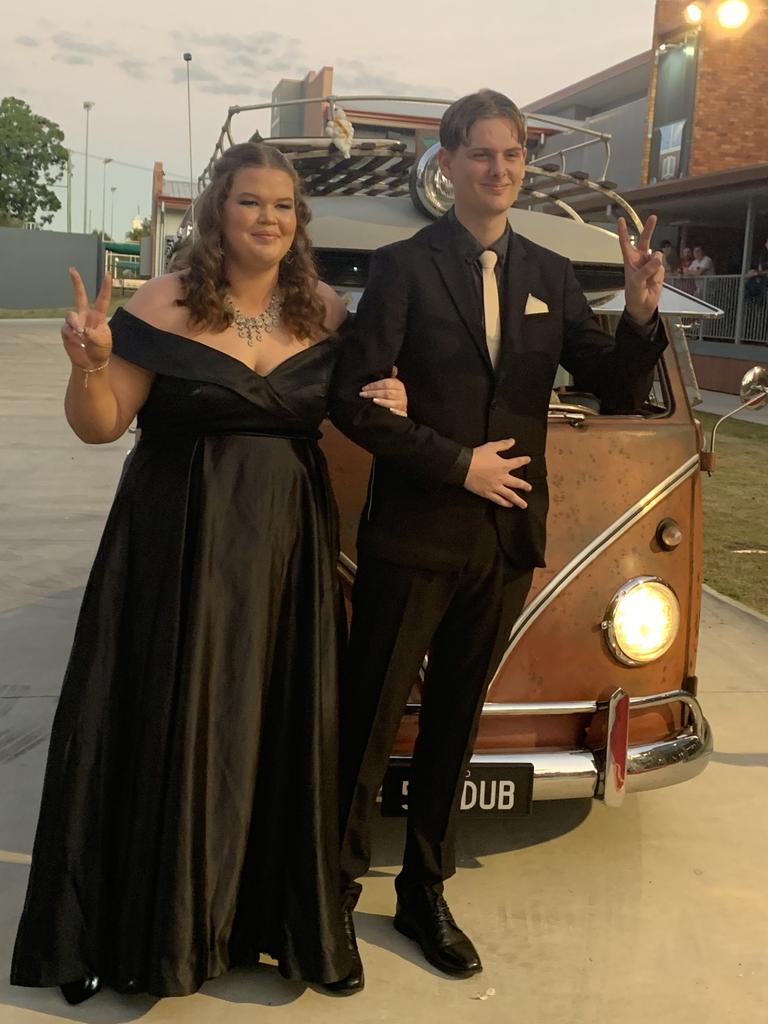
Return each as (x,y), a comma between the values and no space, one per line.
(494,405)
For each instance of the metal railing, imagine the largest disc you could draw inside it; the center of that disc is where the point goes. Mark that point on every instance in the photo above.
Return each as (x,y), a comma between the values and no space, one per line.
(122,264)
(744,304)
(557,159)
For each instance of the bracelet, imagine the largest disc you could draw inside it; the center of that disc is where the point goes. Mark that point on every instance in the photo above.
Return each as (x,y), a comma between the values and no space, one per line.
(93,369)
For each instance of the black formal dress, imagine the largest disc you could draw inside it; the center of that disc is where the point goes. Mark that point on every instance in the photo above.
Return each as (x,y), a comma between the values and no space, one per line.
(189,815)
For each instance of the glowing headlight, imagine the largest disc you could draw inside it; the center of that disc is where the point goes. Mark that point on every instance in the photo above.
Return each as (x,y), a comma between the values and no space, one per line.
(642,621)
(431,192)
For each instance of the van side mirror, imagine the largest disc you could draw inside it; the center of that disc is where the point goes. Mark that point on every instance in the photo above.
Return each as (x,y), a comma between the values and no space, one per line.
(754,395)
(754,388)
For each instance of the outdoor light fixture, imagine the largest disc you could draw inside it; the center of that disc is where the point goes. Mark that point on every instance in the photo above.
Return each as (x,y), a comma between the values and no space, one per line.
(694,13)
(733,13)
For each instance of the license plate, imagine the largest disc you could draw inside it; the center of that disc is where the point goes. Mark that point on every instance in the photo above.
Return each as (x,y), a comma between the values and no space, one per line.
(498,789)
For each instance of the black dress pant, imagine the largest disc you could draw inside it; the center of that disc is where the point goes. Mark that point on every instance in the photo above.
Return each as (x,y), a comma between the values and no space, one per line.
(463,617)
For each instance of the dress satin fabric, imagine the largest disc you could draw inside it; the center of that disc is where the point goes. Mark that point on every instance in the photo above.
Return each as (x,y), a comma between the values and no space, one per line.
(189,817)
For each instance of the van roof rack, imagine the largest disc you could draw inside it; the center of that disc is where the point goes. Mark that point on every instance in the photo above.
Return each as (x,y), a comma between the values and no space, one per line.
(382,167)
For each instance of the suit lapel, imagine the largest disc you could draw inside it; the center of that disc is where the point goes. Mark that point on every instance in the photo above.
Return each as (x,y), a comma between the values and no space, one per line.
(457,278)
(517,285)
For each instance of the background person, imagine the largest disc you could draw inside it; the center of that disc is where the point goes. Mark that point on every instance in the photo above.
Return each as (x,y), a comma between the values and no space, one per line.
(671,258)
(701,266)
(757,277)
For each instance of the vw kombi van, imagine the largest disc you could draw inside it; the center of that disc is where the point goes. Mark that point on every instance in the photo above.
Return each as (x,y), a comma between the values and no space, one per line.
(596,694)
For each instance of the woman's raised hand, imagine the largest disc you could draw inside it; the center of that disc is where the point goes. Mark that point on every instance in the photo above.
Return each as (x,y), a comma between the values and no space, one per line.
(86,334)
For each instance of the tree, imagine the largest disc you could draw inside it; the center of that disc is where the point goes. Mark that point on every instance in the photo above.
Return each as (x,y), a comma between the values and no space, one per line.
(139,231)
(32,158)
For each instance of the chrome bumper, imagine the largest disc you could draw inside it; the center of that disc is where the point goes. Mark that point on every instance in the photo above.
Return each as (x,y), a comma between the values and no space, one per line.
(621,767)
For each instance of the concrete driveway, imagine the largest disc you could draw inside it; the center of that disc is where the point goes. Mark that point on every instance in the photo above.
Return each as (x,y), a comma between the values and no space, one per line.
(655,912)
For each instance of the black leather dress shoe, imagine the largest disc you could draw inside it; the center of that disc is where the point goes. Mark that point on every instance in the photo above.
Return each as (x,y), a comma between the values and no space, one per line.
(76,992)
(355,980)
(424,916)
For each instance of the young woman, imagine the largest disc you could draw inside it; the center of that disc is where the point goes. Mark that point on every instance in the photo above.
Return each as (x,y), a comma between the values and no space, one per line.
(189,816)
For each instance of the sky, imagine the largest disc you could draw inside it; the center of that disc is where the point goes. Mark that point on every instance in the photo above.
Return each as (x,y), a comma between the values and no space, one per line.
(129,63)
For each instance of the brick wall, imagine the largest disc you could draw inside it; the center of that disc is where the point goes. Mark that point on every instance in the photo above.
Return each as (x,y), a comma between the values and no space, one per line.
(731,119)
(730,127)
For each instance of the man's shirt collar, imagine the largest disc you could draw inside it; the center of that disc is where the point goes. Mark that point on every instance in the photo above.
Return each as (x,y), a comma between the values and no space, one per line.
(469,245)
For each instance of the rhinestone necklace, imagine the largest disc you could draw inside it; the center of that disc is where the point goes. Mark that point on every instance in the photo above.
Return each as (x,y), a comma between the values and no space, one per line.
(249,326)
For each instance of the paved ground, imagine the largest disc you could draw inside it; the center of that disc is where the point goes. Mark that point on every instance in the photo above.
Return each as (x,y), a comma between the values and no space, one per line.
(655,912)
(720,404)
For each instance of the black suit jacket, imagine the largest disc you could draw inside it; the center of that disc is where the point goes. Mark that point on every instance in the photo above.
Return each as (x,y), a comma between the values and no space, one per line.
(422,311)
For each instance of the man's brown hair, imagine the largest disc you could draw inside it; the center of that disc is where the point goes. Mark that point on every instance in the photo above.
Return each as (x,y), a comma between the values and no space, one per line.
(457,121)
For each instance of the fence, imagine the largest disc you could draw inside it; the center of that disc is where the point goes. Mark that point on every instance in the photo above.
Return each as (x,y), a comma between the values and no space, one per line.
(33,267)
(121,265)
(728,291)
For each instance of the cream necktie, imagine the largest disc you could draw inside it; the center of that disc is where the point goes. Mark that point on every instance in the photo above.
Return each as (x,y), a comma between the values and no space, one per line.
(491,305)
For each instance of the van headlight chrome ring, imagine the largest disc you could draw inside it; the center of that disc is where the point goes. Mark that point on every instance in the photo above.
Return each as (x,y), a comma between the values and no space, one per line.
(641,621)
(431,192)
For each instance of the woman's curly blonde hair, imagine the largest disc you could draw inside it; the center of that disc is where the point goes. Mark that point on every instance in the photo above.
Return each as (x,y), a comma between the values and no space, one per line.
(204,279)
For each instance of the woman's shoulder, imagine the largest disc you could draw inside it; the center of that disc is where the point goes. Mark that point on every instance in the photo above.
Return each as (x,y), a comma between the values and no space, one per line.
(155,302)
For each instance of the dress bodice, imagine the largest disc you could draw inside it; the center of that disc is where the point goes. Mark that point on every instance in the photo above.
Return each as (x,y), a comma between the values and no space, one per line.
(202,390)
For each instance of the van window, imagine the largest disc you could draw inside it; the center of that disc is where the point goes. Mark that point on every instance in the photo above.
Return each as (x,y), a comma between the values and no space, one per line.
(657,404)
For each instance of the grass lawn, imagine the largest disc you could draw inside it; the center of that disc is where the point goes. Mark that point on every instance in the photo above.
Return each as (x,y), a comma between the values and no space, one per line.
(736,512)
(57,313)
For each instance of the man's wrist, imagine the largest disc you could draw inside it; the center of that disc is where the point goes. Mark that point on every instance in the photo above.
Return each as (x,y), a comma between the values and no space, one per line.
(645,328)
(641,319)
(460,468)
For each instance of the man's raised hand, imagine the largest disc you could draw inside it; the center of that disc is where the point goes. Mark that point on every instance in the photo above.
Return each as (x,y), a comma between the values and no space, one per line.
(643,272)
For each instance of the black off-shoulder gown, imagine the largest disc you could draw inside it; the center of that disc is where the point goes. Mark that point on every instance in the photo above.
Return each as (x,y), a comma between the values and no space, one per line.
(189,815)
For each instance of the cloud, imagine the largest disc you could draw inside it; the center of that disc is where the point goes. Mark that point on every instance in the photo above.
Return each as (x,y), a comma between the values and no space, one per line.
(216,85)
(134,68)
(27,41)
(234,89)
(72,58)
(197,73)
(76,44)
(248,61)
(258,52)
(256,44)
(354,76)
(237,66)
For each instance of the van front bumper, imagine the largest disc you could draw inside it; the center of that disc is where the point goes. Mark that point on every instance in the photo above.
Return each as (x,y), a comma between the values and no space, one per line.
(607,774)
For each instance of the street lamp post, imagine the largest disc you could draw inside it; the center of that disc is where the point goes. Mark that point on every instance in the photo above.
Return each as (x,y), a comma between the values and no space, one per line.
(107,160)
(88,105)
(112,189)
(69,190)
(187,60)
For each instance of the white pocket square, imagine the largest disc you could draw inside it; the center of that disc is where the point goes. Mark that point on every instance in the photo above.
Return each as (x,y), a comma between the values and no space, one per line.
(534,305)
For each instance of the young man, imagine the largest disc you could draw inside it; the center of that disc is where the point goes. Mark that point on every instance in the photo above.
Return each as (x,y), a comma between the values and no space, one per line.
(477,319)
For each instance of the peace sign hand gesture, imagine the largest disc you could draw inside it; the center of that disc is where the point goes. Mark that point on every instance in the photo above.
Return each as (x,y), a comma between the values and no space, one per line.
(86,335)
(643,272)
